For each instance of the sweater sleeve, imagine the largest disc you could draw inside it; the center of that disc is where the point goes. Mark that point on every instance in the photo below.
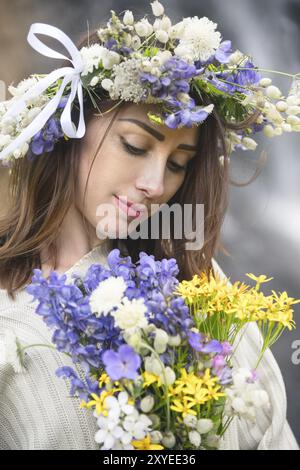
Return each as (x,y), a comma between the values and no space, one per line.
(271,431)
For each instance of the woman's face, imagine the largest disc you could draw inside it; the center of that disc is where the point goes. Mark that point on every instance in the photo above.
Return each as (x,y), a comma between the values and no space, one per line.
(139,162)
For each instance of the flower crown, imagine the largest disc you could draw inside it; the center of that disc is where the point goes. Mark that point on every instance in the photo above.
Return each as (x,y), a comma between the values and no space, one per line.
(148,63)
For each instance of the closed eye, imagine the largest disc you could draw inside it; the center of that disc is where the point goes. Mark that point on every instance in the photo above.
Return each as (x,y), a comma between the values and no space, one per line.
(136,151)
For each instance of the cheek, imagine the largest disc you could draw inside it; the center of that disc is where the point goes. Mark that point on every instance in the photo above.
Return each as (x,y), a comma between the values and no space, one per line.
(172,185)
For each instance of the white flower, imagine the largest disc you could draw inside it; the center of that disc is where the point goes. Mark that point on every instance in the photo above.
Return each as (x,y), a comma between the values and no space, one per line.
(138,425)
(162,36)
(108,433)
(91,57)
(198,36)
(244,397)
(23,86)
(128,18)
(107,295)
(10,352)
(127,84)
(120,404)
(273,92)
(204,425)
(4,140)
(157,8)
(130,315)
(195,438)
(143,28)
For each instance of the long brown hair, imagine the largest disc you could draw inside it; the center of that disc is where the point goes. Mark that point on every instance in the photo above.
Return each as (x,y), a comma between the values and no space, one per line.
(42,191)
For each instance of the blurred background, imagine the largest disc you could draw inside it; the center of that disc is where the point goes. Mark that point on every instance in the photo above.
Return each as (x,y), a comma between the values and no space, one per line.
(262,229)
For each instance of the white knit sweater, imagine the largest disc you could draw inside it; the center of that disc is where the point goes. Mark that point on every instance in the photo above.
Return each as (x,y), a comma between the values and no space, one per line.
(36,411)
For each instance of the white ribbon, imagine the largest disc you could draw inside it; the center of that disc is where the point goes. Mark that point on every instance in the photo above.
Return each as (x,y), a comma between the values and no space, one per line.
(69,74)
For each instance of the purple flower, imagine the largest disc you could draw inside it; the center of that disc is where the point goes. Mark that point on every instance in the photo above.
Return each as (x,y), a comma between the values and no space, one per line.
(121,364)
(45,139)
(223,53)
(200,343)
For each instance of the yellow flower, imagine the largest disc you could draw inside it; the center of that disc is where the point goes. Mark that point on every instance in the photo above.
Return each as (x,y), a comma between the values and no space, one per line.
(99,401)
(182,406)
(150,378)
(145,444)
(104,379)
(259,279)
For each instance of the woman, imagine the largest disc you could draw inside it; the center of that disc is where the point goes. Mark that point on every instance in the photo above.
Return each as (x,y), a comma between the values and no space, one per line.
(53,223)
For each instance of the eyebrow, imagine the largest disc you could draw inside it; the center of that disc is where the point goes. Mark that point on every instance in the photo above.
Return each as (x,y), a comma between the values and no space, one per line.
(157,134)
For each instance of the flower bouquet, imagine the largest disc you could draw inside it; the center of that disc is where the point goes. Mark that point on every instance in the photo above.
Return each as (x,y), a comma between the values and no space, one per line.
(153,356)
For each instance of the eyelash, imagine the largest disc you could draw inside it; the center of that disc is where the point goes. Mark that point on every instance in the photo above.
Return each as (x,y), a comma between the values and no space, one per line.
(138,152)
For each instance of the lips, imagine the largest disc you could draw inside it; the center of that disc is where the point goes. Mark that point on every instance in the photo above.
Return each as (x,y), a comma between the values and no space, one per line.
(130,208)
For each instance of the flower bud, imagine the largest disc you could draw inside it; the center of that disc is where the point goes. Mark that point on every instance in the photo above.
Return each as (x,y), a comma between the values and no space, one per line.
(281,106)
(166,23)
(128,18)
(286,127)
(107,84)
(155,419)
(293,120)
(174,340)
(157,8)
(156,437)
(293,110)
(264,82)
(293,100)
(273,92)
(249,143)
(94,81)
(268,130)
(162,36)
(204,425)
(190,421)
(168,440)
(195,438)
(213,441)
(169,375)
(147,404)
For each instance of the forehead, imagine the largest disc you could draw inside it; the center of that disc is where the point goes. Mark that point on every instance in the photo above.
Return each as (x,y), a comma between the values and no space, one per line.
(139,112)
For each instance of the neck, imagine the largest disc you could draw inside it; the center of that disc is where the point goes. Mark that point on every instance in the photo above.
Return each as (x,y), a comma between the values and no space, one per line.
(75,239)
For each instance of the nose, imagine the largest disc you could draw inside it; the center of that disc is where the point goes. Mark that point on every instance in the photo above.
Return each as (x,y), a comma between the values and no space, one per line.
(151,181)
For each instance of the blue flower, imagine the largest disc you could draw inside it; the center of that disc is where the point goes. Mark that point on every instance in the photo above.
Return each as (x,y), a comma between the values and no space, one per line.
(121,364)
